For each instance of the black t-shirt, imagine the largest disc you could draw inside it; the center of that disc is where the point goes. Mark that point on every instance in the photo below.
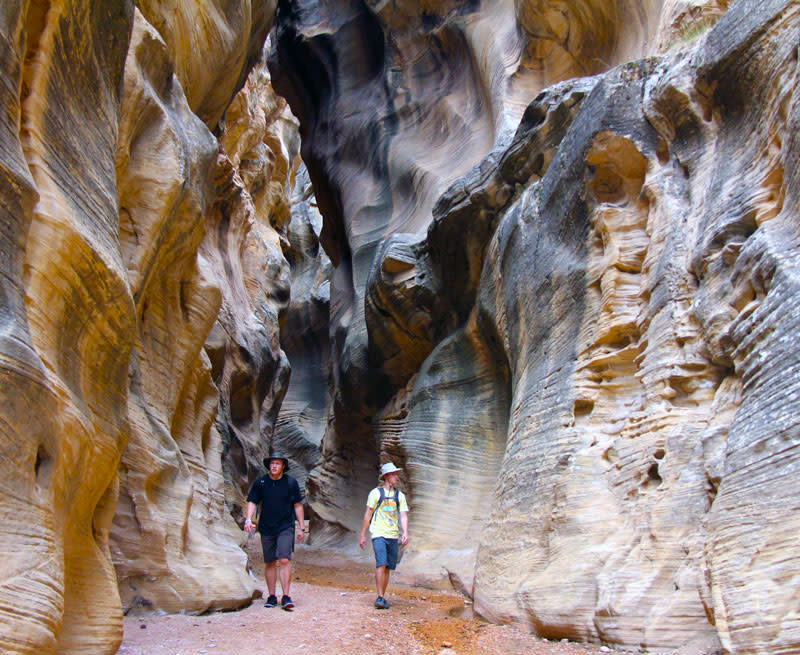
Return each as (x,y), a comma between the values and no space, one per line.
(277,498)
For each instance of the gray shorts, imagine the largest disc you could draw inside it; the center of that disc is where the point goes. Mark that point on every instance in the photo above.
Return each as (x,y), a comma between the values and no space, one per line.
(278,546)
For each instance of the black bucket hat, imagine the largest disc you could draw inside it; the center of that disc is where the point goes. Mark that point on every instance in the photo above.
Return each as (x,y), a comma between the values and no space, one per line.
(277,456)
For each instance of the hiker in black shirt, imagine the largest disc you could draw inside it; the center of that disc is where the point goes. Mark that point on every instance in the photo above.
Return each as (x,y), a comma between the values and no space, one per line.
(281,503)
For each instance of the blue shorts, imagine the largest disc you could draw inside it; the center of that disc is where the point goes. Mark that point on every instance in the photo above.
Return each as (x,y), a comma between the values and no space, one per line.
(385,552)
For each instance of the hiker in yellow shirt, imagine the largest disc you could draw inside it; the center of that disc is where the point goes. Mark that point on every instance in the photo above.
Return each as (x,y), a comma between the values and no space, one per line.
(386,517)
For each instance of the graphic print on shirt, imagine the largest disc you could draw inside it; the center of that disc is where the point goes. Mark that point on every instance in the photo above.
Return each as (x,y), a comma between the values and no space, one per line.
(389,510)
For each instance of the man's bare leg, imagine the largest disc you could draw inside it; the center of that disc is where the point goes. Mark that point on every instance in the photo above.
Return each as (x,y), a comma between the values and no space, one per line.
(381,579)
(286,575)
(270,576)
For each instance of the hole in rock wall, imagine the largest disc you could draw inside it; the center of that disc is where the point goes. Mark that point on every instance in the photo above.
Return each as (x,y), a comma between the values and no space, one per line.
(183,296)
(43,467)
(662,152)
(653,476)
(241,399)
(583,406)
(616,169)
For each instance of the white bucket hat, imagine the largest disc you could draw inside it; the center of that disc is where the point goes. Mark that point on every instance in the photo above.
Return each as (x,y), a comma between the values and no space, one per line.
(388,468)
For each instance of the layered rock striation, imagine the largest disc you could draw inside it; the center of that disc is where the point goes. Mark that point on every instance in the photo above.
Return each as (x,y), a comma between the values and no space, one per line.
(564,321)
(548,266)
(145,188)
(68,324)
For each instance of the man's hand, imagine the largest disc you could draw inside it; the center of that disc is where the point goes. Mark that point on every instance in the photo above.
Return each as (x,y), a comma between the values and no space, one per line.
(249,526)
(362,540)
(301,533)
(404,540)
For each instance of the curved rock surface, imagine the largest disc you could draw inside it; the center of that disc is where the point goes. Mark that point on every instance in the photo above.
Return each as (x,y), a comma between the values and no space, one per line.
(68,324)
(574,349)
(139,221)
(396,101)
(560,254)
(170,534)
(303,412)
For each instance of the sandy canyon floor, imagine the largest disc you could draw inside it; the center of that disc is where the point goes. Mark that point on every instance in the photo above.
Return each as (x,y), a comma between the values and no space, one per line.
(334,593)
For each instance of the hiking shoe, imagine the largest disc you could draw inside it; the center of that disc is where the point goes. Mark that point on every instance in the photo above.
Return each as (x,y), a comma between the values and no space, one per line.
(381,604)
(286,603)
(272,601)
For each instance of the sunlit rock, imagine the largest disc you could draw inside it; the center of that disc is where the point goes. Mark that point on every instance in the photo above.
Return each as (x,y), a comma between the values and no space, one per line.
(174,542)
(68,325)
(212,45)
(559,265)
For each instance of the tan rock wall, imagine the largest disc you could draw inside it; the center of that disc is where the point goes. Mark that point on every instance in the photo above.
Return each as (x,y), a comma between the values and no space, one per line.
(567,315)
(129,232)
(173,542)
(246,237)
(215,286)
(69,325)
(569,349)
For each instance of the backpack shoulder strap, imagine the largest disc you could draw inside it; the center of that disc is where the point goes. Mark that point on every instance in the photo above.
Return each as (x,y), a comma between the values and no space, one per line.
(378,504)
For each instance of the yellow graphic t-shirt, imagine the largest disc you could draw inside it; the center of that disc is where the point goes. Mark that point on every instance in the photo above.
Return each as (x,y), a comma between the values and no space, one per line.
(385,520)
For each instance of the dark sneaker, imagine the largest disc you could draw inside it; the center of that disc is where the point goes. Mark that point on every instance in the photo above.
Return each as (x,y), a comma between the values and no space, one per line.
(287,604)
(381,604)
(272,601)
(385,604)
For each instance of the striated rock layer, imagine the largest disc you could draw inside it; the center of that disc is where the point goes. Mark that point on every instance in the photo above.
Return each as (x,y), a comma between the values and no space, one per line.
(145,182)
(169,531)
(396,102)
(68,324)
(557,288)
(202,213)
(584,352)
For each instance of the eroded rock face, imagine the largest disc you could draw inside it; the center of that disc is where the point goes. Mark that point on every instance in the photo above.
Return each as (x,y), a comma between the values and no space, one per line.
(173,541)
(233,30)
(209,329)
(68,324)
(130,233)
(306,405)
(259,154)
(561,299)
(577,352)
(396,102)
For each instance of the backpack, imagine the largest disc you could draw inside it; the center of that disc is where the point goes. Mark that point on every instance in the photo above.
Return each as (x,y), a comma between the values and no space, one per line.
(380,502)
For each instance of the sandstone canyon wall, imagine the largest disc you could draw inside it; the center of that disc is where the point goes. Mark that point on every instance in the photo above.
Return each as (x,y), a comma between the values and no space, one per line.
(564,299)
(68,324)
(147,167)
(558,286)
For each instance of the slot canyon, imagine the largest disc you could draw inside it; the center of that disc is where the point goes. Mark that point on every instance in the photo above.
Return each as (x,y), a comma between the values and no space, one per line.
(542,255)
